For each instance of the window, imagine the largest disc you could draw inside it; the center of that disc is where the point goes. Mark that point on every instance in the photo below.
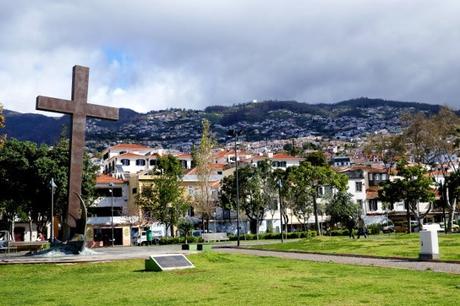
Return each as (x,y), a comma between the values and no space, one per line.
(183,164)
(134,190)
(219,173)
(125,162)
(320,191)
(153,162)
(373,205)
(105,211)
(140,162)
(279,164)
(358,186)
(105,192)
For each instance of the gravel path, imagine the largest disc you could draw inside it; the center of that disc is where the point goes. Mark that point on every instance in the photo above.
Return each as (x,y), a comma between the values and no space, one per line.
(388,263)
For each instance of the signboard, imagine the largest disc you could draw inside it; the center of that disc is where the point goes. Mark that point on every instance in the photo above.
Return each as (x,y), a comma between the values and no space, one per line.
(166,262)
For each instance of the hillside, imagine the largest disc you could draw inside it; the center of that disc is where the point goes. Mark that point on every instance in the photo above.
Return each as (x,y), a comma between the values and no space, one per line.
(179,128)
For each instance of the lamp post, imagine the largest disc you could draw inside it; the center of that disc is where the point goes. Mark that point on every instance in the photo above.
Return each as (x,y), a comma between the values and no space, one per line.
(280,185)
(235,134)
(111,202)
(53,188)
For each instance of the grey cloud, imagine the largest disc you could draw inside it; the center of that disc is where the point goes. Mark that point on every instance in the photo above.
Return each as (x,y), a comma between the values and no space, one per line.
(198,53)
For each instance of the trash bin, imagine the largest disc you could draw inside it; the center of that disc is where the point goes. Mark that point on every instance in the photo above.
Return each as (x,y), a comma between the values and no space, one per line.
(429,246)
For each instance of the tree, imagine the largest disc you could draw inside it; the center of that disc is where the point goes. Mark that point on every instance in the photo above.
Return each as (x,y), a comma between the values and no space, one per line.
(341,208)
(434,141)
(387,148)
(316,158)
(316,177)
(255,193)
(185,228)
(301,194)
(413,187)
(165,200)
(25,173)
(204,203)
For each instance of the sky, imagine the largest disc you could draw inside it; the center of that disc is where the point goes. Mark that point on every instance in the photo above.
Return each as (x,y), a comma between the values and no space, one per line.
(151,55)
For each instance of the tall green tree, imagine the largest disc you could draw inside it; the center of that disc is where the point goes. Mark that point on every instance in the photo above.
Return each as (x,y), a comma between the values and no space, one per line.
(25,172)
(301,195)
(254,191)
(313,178)
(341,208)
(204,202)
(165,200)
(412,187)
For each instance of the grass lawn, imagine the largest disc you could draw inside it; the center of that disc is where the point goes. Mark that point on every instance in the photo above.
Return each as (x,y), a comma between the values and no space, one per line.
(224,279)
(401,245)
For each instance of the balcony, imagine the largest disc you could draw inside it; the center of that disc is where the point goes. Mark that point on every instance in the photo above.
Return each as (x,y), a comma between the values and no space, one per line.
(117,220)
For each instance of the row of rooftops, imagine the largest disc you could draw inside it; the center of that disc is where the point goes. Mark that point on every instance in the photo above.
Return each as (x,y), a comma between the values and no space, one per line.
(224,159)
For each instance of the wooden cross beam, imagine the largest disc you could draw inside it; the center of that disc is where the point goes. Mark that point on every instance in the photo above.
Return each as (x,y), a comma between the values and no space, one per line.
(78,109)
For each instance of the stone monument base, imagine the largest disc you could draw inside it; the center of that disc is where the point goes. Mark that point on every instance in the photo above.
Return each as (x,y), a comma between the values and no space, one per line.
(428,256)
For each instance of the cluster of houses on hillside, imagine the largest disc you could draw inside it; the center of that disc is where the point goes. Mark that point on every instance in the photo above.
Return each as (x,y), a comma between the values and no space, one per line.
(125,169)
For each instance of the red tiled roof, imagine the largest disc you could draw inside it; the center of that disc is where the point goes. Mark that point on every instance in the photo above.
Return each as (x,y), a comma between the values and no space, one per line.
(131,155)
(285,156)
(128,146)
(106,179)
(184,155)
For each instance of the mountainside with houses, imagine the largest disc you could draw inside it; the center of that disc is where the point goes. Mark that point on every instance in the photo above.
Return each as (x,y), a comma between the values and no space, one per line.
(180,128)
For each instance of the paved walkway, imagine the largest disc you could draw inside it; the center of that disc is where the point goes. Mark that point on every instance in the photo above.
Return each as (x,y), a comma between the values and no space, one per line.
(98,255)
(387,263)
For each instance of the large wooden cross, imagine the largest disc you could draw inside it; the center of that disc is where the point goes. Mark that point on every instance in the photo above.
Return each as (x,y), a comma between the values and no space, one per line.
(78,109)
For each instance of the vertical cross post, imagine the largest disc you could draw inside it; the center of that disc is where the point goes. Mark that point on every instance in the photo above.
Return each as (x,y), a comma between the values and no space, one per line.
(78,109)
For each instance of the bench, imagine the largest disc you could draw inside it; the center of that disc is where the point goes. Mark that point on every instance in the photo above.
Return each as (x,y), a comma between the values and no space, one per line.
(214,237)
(8,247)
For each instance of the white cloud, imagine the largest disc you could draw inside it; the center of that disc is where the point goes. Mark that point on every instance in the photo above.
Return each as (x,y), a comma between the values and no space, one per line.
(155,54)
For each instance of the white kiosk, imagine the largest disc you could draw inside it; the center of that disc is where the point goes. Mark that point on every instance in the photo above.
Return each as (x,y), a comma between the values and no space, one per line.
(429,246)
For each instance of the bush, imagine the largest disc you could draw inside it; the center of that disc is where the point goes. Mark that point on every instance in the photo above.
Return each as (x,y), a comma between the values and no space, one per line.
(374,229)
(290,235)
(339,232)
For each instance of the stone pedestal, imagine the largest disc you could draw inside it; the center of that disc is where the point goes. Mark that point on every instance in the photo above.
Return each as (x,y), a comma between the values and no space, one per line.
(429,246)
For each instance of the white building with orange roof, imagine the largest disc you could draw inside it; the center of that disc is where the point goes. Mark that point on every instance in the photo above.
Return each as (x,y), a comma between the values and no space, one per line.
(115,203)
(278,160)
(133,158)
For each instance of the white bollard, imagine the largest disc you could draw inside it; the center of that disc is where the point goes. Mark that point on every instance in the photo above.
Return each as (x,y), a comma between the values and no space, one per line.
(429,246)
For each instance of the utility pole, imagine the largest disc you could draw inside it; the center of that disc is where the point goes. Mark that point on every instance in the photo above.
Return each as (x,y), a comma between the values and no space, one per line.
(53,187)
(111,201)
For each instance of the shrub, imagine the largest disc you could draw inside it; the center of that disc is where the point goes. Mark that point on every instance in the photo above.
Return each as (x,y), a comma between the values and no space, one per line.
(374,229)
(339,232)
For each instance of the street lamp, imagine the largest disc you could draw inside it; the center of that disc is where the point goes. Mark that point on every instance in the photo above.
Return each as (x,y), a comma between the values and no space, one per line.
(111,200)
(235,134)
(280,185)
(53,188)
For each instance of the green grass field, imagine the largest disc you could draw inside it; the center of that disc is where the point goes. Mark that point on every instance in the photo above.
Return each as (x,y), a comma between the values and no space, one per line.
(223,279)
(400,245)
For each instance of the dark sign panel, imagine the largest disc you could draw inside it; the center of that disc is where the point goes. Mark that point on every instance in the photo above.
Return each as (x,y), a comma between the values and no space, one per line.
(167,262)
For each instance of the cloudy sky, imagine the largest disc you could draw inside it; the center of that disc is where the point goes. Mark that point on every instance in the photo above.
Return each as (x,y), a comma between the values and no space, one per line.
(149,55)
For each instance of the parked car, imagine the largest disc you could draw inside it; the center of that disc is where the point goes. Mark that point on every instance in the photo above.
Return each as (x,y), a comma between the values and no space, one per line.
(388,226)
(385,223)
